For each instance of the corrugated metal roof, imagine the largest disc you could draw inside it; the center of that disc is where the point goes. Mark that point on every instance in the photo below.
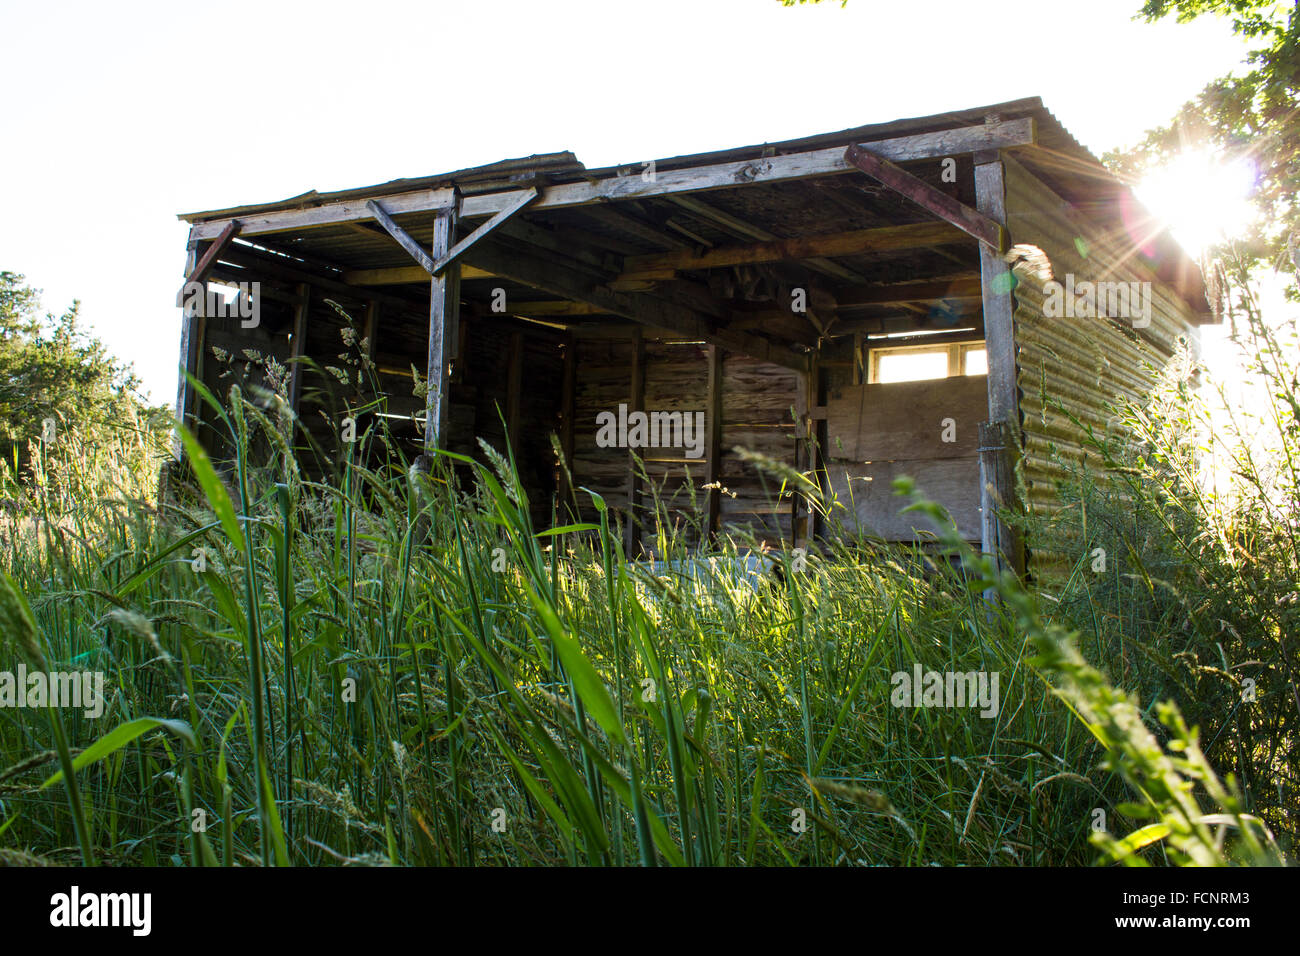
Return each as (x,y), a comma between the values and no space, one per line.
(494,175)
(1059,160)
(565,167)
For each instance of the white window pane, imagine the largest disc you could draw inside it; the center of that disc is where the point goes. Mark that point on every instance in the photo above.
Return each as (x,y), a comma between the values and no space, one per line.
(912,366)
(975,362)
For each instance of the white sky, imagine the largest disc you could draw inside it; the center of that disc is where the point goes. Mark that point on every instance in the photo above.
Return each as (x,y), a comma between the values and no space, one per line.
(119,116)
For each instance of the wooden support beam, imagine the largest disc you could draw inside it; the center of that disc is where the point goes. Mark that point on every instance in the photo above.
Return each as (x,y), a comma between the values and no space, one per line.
(936,201)
(514,390)
(856,242)
(298,345)
(403,275)
(404,238)
(554,307)
(779,322)
(568,401)
(817,440)
(997,485)
(768,169)
(191,355)
(211,256)
(462,247)
(998,305)
(997,490)
(713,423)
(444,319)
(328,214)
(802,434)
(636,403)
(617,330)
(810,442)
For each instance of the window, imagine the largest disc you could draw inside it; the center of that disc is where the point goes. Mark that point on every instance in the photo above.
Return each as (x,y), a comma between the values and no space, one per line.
(914,363)
(974,360)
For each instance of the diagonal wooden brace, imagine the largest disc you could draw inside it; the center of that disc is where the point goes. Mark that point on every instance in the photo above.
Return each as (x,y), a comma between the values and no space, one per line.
(204,266)
(462,247)
(432,267)
(404,238)
(932,200)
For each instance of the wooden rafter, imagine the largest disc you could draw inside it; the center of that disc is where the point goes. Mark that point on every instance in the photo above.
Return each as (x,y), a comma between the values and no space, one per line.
(631,224)
(748,230)
(855,242)
(555,307)
(929,198)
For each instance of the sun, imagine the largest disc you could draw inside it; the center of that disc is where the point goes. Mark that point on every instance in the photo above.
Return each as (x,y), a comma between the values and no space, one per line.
(1202,198)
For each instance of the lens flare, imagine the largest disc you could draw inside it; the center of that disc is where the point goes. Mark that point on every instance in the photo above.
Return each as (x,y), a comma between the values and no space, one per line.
(1201,197)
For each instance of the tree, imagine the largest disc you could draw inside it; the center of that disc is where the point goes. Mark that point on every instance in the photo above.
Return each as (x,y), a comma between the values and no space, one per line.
(1254,115)
(59,384)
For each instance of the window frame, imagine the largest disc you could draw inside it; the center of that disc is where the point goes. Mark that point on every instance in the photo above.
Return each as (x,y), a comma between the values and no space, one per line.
(956,351)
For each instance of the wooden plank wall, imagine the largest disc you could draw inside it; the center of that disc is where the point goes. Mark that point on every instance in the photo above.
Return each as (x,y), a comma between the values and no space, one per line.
(603,380)
(757,413)
(756,401)
(880,432)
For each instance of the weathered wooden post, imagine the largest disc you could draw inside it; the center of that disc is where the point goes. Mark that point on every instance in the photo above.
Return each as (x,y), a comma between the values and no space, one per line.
(997,444)
(636,403)
(444,321)
(713,424)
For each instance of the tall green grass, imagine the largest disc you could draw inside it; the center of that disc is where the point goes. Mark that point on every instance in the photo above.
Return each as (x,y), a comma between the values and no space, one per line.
(400,668)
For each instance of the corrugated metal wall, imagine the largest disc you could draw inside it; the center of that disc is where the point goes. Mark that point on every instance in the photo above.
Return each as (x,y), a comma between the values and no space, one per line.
(1084,364)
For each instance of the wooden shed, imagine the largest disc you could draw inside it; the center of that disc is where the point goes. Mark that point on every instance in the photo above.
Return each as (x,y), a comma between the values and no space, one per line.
(908,298)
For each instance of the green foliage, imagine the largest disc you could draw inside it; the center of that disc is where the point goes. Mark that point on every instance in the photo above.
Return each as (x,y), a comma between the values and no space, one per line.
(52,370)
(1252,115)
(342,673)
(351,681)
(1198,600)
